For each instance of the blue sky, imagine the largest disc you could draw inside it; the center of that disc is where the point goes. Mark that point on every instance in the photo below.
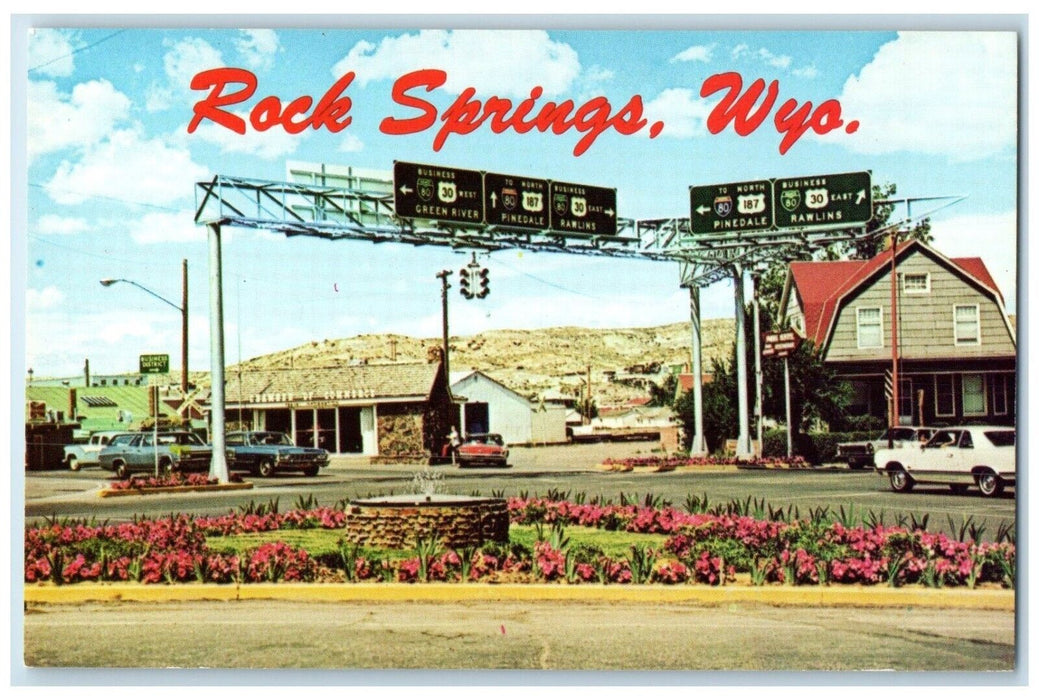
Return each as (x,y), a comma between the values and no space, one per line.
(111,171)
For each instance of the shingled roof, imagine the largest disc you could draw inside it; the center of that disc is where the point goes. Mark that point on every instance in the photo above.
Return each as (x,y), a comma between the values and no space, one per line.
(822,286)
(377,381)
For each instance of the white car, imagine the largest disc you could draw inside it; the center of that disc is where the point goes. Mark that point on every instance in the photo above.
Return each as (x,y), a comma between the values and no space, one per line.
(982,455)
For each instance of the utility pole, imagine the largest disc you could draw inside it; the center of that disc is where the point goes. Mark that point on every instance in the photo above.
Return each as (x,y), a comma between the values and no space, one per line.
(444,286)
(184,329)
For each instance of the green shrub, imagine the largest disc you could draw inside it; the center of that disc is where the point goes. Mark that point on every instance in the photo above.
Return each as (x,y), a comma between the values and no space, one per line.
(816,448)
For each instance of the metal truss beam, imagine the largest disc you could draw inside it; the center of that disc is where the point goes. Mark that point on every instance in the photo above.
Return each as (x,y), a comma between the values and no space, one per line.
(337,213)
(341,214)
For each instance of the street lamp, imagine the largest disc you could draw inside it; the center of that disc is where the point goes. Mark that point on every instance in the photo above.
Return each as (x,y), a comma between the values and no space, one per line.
(183,309)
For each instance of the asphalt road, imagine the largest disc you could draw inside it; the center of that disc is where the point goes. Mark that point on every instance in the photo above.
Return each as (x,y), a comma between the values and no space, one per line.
(591,637)
(536,471)
(516,635)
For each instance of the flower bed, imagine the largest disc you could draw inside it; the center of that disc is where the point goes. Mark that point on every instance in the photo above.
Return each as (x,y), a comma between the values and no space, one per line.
(673,462)
(711,548)
(171,480)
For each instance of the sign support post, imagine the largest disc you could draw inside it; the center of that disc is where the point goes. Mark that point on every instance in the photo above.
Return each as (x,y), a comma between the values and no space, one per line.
(697,446)
(789,430)
(218,465)
(743,448)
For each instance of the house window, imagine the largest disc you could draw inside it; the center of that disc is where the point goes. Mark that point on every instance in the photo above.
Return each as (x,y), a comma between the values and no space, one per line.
(967,325)
(944,395)
(973,394)
(999,395)
(916,283)
(871,334)
(798,323)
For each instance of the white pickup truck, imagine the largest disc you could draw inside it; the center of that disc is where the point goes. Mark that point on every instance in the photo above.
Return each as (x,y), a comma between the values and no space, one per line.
(84,454)
(960,457)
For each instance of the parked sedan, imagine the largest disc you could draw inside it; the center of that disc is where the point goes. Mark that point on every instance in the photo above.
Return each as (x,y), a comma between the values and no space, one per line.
(859,454)
(140,452)
(960,457)
(483,448)
(262,453)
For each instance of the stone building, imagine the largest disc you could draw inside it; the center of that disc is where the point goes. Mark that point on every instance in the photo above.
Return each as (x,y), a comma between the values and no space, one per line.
(384,411)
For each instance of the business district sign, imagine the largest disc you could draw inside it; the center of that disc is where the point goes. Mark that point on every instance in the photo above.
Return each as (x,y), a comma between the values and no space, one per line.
(155,364)
(780,343)
(844,199)
(476,198)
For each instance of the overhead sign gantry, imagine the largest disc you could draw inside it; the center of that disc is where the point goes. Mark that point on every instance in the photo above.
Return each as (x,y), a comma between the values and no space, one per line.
(471,209)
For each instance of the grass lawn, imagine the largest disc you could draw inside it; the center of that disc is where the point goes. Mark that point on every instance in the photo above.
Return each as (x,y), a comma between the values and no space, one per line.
(318,541)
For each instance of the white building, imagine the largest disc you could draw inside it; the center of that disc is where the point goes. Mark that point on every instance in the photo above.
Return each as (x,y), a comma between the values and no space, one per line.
(487,406)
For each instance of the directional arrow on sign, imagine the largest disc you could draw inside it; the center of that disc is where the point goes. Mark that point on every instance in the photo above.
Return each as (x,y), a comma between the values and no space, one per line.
(406,190)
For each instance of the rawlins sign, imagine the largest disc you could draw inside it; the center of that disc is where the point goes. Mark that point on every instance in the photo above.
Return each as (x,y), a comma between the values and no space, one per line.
(840,200)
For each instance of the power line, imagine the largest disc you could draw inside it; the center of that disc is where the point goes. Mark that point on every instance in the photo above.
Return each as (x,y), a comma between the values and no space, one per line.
(75,51)
(146,205)
(547,282)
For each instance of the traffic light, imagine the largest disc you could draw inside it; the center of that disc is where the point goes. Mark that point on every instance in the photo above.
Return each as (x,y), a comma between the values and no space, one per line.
(465,282)
(485,283)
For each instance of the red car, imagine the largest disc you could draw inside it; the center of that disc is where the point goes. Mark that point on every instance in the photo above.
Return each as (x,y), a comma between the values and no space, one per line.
(483,448)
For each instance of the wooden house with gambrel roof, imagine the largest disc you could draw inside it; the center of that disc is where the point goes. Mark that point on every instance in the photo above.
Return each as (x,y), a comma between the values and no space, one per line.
(957,347)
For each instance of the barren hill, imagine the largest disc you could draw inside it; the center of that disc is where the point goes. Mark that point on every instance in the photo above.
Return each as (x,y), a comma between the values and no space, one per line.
(532,362)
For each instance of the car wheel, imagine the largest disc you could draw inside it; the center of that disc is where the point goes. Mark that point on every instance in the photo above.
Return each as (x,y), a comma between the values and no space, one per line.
(900,481)
(165,467)
(266,468)
(990,484)
(121,471)
(958,489)
(73,464)
(310,471)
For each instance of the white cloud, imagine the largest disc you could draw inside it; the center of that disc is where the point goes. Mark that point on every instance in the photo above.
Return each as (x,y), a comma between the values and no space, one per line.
(992,238)
(129,168)
(258,47)
(532,57)
(146,327)
(157,97)
(780,62)
(166,227)
(186,58)
(703,54)
(682,111)
(57,121)
(349,143)
(53,224)
(50,52)
(943,93)
(773,60)
(270,144)
(41,299)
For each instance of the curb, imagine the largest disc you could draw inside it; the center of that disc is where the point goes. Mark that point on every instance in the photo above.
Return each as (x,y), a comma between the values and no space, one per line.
(777,596)
(110,493)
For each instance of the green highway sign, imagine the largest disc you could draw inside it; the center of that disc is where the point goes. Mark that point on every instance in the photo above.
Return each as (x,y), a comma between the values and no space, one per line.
(515,201)
(845,199)
(731,208)
(155,364)
(583,209)
(438,193)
